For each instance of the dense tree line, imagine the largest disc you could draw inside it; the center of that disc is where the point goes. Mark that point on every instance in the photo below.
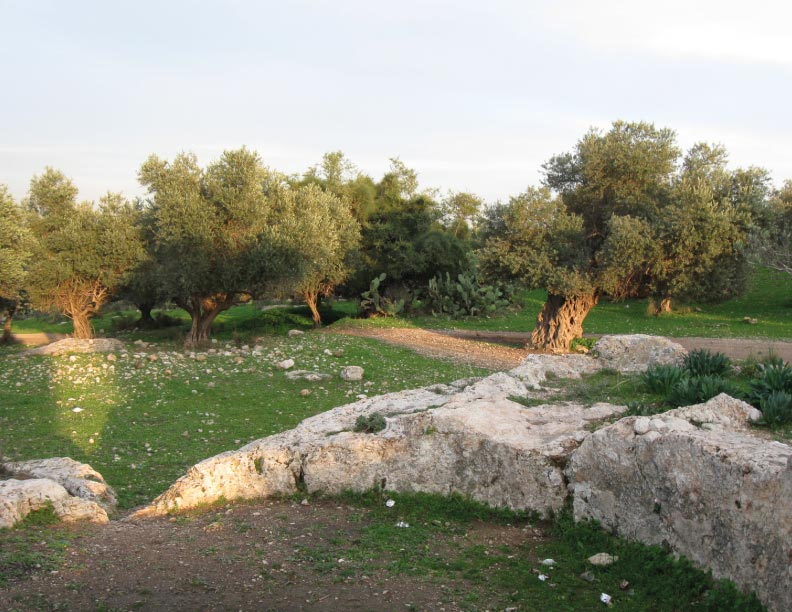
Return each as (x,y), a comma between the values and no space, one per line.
(624,214)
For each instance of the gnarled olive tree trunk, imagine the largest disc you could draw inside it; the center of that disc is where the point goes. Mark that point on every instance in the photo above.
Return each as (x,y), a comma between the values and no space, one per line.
(561,321)
(311,298)
(203,311)
(80,299)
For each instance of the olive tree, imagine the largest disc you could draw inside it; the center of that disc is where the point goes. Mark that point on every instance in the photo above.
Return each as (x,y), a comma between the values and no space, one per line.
(326,234)
(15,244)
(616,217)
(772,236)
(236,230)
(82,251)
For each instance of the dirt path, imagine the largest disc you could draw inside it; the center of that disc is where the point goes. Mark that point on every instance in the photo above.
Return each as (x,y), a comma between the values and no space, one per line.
(488,350)
(270,555)
(475,351)
(37,339)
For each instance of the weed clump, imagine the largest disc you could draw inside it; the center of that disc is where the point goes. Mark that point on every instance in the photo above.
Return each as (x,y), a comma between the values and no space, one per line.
(370,424)
(701,362)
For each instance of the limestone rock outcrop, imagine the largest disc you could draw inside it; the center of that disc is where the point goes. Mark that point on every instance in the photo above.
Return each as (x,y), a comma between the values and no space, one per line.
(75,345)
(470,438)
(76,491)
(696,480)
(79,479)
(636,352)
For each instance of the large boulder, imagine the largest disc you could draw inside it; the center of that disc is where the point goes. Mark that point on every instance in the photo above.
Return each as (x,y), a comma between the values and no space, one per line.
(468,438)
(18,498)
(696,480)
(76,345)
(536,369)
(636,352)
(79,479)
(75,490)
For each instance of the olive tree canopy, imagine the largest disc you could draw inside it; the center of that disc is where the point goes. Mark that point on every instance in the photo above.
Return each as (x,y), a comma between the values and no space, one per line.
(618,216)
(82,251)
(15,244)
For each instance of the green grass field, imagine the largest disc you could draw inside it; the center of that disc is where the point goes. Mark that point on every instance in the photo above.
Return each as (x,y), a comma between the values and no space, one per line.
(768,300)
(142,423)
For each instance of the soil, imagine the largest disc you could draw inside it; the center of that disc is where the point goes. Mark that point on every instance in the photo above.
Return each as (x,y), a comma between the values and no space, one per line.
(271,555)
(498,350)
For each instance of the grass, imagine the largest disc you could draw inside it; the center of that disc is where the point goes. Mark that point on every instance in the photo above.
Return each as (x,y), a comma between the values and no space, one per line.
(435,545)
(142,423)
(35,544)
(768,300)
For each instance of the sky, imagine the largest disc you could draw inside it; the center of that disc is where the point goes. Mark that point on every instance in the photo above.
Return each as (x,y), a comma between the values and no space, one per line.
(474,96)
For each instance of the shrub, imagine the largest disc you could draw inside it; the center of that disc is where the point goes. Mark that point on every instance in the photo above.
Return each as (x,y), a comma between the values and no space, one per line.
(702,362)
(370,424)
(661,378)
(772,377)
(588,343)
(464,297)
(698,389)
(776,408)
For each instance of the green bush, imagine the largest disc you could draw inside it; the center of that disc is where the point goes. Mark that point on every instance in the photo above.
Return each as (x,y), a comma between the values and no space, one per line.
(698,389)
(662,378)
(702,362)
(370,424)
(464,296)
(776,408)
(775,376)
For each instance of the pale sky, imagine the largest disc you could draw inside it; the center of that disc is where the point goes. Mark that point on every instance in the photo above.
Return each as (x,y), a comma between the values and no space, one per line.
(473,95)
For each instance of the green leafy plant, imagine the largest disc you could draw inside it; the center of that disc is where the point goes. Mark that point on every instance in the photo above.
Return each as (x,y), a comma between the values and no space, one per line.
(776,408)
(588,343)
(775,376)
(370,424)
(661,378)
(373,304)
(698,389)
(701,362)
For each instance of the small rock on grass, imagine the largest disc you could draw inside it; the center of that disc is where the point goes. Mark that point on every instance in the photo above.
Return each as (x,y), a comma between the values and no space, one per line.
(602,559)
(352,373)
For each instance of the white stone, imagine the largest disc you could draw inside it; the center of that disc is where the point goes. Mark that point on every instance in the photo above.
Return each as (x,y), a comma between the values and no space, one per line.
(602,559)
(18,498)
(75,345)
(474,441)
(535,368)
(352,373)
(306,375)
(285,364)
(636,352)
(295,332)
(719,496)
(79,479)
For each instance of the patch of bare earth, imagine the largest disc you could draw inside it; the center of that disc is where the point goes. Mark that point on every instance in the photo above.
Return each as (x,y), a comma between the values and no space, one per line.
(487,348)
(271,555)
(441,344)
